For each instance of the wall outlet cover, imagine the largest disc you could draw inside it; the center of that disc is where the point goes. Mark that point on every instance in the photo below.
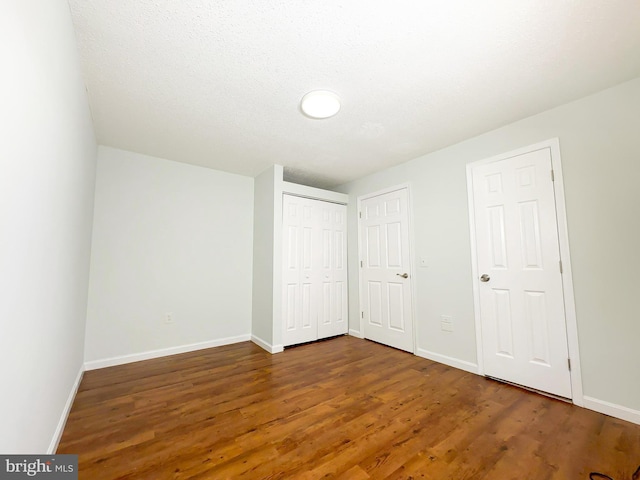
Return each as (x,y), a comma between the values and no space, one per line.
(446,323)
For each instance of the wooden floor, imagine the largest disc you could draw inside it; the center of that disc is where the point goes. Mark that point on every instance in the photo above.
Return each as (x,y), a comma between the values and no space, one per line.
(343,408)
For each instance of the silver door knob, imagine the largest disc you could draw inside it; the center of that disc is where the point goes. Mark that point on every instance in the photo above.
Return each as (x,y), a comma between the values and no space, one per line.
(403,275)
(485,278)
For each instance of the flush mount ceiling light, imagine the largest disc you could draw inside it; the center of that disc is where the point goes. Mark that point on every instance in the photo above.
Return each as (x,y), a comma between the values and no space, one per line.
(320,104)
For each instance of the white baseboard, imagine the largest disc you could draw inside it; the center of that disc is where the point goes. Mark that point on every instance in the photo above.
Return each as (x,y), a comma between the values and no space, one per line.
(452,362)
(266,345)
(355,333)
(57,435)
(164,352)
(613,410)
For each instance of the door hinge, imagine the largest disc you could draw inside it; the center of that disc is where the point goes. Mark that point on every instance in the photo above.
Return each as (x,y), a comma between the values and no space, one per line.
(362,314)
(553,176)
(361,264)
(560,263)
(360,214)
(569,363)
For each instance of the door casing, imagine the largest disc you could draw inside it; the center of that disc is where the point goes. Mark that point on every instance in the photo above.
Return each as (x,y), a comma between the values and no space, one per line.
(563,240)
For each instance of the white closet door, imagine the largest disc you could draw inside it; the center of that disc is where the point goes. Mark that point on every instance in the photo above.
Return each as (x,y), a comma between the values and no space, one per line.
(314,294)
(300,272)
(332,319)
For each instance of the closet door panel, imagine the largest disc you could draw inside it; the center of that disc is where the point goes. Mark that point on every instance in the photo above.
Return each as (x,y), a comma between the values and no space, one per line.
(334,271)
(315,273)
(299,302)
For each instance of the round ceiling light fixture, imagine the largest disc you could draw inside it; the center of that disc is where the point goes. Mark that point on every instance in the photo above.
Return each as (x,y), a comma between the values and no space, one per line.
(320,104)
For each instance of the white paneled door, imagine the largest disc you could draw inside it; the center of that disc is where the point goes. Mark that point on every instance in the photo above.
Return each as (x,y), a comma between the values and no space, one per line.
(314,271)
(522,316)
(333,305)
(385,269)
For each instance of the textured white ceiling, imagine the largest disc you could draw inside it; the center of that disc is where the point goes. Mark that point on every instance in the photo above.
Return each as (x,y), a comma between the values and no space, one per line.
(218,83)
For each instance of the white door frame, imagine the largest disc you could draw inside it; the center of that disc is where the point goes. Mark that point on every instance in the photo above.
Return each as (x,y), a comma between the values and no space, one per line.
(412,291)
(567,279)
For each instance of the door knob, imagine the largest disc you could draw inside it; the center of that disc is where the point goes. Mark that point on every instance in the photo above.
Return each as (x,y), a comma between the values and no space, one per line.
(485,278)
(403,275)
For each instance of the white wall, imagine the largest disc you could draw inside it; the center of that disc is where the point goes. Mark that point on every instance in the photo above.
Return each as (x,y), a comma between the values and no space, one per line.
(263,262)
(168,238)
(600,148)
(47,172)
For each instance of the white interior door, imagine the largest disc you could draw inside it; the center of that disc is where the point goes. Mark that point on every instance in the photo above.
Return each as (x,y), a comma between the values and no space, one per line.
(333,306)
(385,280)
(523,326)
(300,272)
(314,272)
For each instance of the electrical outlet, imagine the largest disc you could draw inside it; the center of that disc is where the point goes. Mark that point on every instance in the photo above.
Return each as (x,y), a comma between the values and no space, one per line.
(446,323)
(168,317)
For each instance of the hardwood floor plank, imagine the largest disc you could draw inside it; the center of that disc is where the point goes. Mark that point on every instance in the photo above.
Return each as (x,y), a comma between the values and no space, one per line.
(344,408)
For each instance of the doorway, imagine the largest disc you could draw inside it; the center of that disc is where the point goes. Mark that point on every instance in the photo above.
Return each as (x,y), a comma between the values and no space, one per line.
(525,319)
(385,269)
